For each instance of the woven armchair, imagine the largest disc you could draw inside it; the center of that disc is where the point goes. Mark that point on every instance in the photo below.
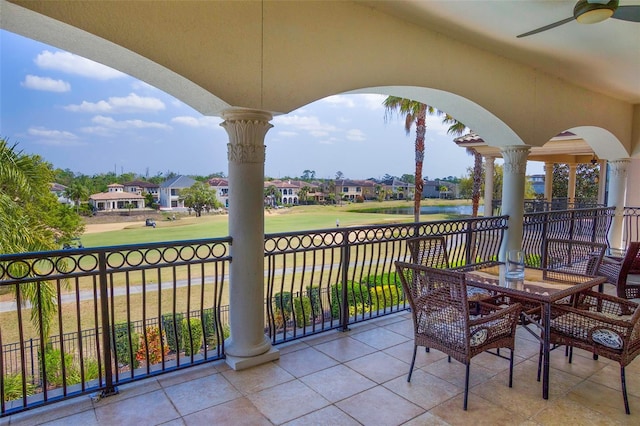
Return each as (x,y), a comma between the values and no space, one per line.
(429,251)
(605,325)
(573,257)
(441,318)
(617,272)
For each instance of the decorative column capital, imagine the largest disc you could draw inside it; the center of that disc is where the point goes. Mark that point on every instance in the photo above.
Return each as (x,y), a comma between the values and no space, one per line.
(246,129)
(618,168)
(515,158)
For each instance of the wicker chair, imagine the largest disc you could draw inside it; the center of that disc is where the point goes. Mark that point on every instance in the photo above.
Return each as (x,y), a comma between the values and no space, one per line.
(617,272)
(571,256)
(602,328)
(429,251)
(441,319)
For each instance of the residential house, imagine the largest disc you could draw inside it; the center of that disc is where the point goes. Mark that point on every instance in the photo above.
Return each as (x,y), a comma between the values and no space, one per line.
(170,192)
(347,189)
(141,187)
(59,191)
(288,190)
(440,189)
(397,189)
(222,190)
(116,198)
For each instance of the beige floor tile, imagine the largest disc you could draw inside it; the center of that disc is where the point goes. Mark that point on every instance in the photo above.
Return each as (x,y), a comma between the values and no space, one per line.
(479,412)
(146,409)
(86,418)
(174,422)
(292,346)
(379,367)
(238,412)
(580,366)
(328,416)
(388,320)
(257,378)
(493,362)
(287,401)
(305,361)
(380,338)
(606,401)
(337,383)
(426,419)
(345,349)
(130,390)
(527,348)
(195,395)
(567,412)
(610,376)
(454,372)
(404,328)
(379,406)
(58,410)
(404,352)
(191,373)
(425,390)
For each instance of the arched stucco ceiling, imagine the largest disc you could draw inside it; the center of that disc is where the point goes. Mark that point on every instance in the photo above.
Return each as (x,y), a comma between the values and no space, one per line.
(604,143)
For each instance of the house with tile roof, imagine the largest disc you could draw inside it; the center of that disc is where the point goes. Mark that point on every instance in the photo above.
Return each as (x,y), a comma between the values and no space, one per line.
(141,187)
(222,190)
(116,198)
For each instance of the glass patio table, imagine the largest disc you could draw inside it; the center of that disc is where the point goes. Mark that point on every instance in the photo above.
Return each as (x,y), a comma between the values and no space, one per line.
(538,288)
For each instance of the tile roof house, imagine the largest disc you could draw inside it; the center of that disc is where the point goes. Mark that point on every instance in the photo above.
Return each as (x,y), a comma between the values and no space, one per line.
(351,189)
(141,187)
(222,190)
(116,198)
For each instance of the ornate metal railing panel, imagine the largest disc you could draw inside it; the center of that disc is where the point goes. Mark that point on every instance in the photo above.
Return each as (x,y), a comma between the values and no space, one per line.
(631,224)
(95,297)
(582,224)
(327,279)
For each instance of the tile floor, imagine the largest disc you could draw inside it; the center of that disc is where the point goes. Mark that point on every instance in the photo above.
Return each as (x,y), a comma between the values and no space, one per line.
(359,377)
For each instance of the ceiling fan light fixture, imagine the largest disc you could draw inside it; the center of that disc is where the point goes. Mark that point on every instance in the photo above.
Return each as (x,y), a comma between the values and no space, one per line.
(592,13)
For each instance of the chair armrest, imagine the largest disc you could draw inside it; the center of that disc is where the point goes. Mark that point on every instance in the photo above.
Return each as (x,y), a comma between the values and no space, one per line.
(601,307)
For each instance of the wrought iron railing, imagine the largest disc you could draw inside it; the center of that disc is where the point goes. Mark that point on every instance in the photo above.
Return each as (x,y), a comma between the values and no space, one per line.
(314,281)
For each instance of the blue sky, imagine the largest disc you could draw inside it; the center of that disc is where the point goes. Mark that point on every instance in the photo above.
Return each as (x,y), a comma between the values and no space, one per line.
(89,118)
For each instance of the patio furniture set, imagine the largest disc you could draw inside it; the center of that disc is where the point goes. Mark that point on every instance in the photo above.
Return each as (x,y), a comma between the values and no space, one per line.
(466,310)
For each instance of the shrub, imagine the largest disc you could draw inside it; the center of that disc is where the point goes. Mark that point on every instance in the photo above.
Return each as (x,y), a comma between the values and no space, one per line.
(121,344)
(171,324)
(53,365)
(13,387)
(385,295)
(388,278)
(91,369)
(302,311)
(314,296)
(154,345)
(209,322)
(357,294)
(282,308)
(192,342)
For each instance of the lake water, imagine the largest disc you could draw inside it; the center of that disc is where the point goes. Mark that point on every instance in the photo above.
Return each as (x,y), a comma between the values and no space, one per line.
(459,210)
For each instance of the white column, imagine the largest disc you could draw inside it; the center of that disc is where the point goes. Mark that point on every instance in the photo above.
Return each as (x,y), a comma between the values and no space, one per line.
(617,194)
(248,345)
(488,185)
(602,181)
(548,182)
(571,187)
(515,167)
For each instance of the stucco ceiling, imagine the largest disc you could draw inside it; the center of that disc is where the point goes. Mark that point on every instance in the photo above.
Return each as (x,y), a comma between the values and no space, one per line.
(602,57)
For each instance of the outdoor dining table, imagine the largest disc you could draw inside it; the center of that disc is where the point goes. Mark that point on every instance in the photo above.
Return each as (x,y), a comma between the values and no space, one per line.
(539,287)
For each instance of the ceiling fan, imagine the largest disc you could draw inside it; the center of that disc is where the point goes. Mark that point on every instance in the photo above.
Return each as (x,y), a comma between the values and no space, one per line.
(594,11)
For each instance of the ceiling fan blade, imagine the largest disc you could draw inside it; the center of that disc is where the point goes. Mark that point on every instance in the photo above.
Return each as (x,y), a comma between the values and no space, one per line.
(547,27)
(627,13)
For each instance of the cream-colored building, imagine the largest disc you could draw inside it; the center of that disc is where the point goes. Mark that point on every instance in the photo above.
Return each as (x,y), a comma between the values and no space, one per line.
(116,198)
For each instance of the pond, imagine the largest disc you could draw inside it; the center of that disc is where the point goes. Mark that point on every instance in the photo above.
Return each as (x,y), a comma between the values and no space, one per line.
(458,210)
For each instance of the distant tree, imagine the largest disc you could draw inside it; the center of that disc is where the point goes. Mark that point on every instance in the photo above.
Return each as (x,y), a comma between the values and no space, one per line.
(149,201)
(303,194)
(78,193)
(586,185)
(408,178)
(273,192)
(339,175)
(380,193)
(199,197)
(308,175)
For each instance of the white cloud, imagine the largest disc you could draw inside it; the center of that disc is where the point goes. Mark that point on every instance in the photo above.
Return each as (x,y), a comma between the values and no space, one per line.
(355,135)
(341,101)
(73,64)
(373,101)
(110,123)
(309,124)
(115,105)
(45,83)
(186,120)
(288,134)
(58,138)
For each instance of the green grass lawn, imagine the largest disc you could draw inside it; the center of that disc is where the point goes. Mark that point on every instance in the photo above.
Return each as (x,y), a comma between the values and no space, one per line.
(297,218)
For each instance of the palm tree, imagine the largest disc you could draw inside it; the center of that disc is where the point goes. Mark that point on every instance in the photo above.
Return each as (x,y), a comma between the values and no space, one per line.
(413,112)
(76,192)
(456,129)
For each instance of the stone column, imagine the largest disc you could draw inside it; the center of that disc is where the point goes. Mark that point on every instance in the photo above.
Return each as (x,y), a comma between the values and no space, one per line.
(617,196)
(515,167)
(571,187)
(602,181)
(548,181)
(248,345)
(488,185)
